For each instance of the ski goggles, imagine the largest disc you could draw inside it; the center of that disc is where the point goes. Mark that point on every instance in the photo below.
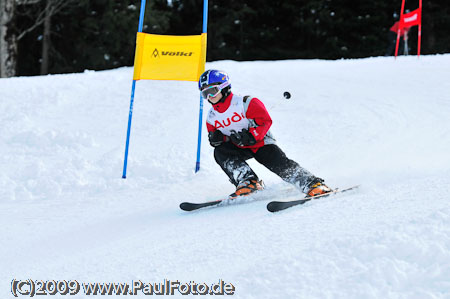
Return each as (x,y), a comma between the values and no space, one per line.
(213,90)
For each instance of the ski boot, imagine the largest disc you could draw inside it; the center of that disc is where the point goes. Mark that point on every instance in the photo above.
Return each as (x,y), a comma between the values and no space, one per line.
(246,188)
(317,187)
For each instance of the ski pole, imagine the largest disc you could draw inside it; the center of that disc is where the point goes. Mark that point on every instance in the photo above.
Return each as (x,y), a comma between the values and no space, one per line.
(286,95)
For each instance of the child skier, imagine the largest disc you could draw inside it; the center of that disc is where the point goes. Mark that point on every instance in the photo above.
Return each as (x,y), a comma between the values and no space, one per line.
(238,129)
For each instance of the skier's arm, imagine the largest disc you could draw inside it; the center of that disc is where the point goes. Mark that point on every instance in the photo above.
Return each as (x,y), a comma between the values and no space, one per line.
(258,112)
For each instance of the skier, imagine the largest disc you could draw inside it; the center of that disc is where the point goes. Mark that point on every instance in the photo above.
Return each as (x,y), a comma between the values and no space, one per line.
(238,129)
(392,37)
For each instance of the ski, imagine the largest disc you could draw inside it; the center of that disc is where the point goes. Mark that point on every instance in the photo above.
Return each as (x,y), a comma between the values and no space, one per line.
(190,206)
(275,206)
(260,195)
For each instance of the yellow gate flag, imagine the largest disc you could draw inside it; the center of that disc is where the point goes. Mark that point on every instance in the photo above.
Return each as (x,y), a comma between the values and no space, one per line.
(169,57)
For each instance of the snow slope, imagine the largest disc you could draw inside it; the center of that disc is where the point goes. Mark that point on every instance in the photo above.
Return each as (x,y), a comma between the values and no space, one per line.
(66,213)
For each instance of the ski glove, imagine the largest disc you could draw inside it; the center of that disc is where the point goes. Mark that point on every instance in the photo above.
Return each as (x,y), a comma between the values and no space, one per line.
(243,138)
(216,138)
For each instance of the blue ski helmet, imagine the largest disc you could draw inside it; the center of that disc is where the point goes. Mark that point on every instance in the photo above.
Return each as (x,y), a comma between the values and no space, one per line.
(213,76)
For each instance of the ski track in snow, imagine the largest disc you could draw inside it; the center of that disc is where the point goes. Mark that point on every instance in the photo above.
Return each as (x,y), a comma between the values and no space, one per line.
(65,212)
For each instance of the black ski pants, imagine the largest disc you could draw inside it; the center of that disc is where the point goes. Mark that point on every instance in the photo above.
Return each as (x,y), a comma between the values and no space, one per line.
(232,160)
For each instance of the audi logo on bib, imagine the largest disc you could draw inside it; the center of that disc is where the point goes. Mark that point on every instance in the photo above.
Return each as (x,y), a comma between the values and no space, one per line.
(227,122)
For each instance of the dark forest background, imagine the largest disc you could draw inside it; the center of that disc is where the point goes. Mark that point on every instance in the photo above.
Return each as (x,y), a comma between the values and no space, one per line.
(100,34)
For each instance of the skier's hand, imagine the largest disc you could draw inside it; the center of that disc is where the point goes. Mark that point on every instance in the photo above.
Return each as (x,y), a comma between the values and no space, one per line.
(242,138)
(216,138)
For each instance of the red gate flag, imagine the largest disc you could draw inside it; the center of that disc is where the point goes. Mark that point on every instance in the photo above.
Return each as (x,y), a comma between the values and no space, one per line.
(410,19)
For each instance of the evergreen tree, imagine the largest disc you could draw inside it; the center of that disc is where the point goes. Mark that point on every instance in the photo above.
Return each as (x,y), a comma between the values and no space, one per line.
(93,34)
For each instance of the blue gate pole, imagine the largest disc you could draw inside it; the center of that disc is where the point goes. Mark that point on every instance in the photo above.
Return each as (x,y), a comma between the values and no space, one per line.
(205,16)
(199,143)
(200,118)
(133,87)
